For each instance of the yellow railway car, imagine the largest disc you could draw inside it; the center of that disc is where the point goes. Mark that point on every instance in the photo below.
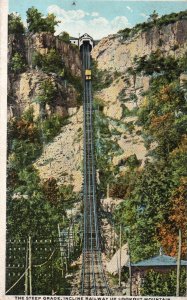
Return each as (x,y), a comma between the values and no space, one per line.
(88,74)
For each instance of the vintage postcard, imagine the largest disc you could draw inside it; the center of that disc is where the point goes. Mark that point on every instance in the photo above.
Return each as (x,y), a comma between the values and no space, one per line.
(94,149)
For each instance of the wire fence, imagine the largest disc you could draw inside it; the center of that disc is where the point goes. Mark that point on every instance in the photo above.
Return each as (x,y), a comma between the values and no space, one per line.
(40,265)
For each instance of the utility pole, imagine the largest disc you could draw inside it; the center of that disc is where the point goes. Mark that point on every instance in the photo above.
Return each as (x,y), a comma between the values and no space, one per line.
(130,271)
(30,266)
(111,232)
(52,269)
(68,236)
(26,270)
(120,256)
(73,237)
(178,264)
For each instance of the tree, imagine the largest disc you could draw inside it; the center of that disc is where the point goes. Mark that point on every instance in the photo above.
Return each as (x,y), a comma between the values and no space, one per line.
(53,62)
(168,230)
(38,23)
(162,284)
(17,63)
(51,190)
(15,24)
(50,62)
(153,17)
(163,116)
(144,208)
(155,202)
(51,22)
(64,36)
(48,92)
(34,20)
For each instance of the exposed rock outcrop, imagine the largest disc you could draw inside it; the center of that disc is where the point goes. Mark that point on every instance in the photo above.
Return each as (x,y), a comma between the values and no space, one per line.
(42,43)
(125,95)
(115,54)
(25,88)
(63,157)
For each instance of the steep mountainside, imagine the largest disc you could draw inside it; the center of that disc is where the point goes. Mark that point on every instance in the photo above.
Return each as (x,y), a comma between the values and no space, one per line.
(121,99)
(29,81)
(116,56)
(139,96)
(24,86)
(116,52)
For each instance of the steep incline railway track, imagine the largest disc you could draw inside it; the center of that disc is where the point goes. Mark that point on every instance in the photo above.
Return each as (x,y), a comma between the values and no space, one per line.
(93,280)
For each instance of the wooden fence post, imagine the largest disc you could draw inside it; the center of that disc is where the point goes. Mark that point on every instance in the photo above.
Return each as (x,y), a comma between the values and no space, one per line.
(30,266)
(178,264)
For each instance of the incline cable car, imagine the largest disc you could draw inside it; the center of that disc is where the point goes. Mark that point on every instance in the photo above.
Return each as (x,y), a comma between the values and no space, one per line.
(88,74)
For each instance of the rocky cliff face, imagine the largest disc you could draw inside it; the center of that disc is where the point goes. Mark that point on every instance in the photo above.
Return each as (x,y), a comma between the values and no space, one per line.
(114,53)
(62,158)
(124,96)
(24,88)
(42,43)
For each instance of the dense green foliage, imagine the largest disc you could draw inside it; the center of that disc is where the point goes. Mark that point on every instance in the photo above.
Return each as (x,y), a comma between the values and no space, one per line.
(50,62)
(15,24)
(101,79)
(76,81)
(64,36)
(105,148)
(48,92)
(36,208)
(156,65)
(158,284)
(17,63)
(156,200)
(38,23)
(40,213)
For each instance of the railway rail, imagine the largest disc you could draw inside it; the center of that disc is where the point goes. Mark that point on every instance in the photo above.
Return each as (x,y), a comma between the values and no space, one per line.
(93,279)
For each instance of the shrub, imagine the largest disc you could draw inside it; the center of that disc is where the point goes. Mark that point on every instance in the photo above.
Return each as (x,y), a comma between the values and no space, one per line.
(50,62)
(51,192)
(132,161)
(64,36)
(118,190)
(153,21)
(125,33)
(99,104)
(133,97)
(159,284)
(53,62)
(101,79)
(17,63)
(129,126)
(37,60)
(156,64)
(28,115)
(24,153)
(15,24)
(122,95)
(48,93)
(76,81)
(52,126)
